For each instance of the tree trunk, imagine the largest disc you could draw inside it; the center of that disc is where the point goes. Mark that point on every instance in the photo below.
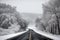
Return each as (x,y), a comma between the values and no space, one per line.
(57,27)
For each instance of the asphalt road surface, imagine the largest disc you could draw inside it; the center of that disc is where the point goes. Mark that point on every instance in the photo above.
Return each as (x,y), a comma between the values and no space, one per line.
(30,35)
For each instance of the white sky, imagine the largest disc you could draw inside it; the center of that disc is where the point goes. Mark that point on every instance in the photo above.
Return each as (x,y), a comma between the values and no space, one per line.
(26,6)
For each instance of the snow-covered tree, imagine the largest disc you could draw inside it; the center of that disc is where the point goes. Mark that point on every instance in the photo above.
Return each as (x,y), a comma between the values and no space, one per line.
(51,13)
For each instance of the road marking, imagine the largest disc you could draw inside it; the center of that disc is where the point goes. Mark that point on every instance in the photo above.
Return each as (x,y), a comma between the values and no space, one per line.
(30,36)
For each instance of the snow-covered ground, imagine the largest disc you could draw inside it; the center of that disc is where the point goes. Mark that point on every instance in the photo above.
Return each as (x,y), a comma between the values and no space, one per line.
(11,35)
(55,37)
(32,26)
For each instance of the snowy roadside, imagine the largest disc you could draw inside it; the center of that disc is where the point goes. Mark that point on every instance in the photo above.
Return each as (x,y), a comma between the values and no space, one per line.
(11,35)
(55,37)
(46,34)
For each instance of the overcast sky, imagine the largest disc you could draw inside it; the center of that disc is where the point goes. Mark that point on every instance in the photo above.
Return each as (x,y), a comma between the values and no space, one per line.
(26,6)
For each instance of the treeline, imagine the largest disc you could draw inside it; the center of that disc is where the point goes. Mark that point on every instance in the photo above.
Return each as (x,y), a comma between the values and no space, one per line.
(50,20)
(9,16)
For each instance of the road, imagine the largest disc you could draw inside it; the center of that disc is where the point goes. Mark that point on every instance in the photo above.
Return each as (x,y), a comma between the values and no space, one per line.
(30,35)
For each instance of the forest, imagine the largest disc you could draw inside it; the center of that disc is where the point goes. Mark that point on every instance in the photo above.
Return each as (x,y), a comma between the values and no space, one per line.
(10,20)
(50,20)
